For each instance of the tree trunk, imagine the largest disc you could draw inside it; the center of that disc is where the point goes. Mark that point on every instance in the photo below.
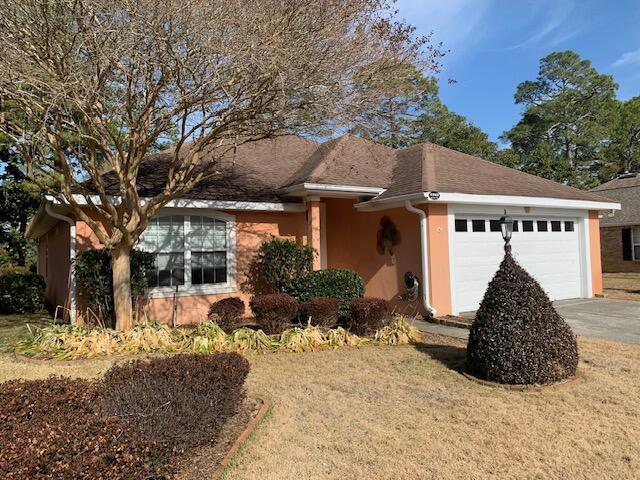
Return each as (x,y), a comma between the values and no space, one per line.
(122,303)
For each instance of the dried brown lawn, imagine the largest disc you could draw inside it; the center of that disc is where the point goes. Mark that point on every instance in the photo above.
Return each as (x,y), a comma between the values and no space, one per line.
(623,286)
(405,412)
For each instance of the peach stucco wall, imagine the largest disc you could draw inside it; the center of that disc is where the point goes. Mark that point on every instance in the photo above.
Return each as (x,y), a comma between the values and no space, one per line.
(251,229)
(596,261)
(53,262)
(352,243)
(438,234)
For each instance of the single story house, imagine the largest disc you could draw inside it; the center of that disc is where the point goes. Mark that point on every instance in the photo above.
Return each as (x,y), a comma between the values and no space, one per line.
(425,209)
(620,230)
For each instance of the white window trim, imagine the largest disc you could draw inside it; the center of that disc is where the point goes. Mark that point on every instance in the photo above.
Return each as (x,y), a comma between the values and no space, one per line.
(187,289)
(635,242)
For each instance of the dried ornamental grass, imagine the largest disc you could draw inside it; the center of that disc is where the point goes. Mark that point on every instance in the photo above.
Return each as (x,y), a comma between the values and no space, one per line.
(73,342)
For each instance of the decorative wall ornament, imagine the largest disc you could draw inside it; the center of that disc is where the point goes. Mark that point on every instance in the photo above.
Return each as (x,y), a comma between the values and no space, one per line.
(388,238)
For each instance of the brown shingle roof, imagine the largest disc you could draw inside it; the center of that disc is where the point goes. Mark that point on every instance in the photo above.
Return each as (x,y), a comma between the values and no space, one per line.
(254,172)
(348,160)
(261,171)
(430,167)
(625,191)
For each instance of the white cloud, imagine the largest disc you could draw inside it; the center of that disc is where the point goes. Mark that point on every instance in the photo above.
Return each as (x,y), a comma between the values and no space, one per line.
(453,22)
(628,58)
(547,24)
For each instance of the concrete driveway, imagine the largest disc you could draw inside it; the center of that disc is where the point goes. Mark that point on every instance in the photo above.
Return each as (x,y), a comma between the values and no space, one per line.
(617,320)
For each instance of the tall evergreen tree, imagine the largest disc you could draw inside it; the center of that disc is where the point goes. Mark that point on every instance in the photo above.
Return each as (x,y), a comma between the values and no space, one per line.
(567,111)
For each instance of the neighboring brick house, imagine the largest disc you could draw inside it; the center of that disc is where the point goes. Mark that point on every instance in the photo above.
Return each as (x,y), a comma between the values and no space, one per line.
(620,230)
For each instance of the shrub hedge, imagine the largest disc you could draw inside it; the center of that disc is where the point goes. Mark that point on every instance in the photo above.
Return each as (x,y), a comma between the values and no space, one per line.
(345,285)
(320,311)
(368,315)
(274,312)
(517,336)
(21,292)
(95,284)
(183,400)
(51,429)
(226,313)
(278,261)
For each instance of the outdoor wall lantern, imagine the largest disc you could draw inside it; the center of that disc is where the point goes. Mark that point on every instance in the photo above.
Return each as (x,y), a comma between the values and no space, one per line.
(506,227)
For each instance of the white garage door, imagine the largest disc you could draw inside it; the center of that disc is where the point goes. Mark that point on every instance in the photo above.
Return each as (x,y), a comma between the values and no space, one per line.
(548,248)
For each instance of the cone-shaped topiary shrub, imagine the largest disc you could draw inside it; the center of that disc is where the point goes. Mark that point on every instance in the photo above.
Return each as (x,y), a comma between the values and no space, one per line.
(517,336)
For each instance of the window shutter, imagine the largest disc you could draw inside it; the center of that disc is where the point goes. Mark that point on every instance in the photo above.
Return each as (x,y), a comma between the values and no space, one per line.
(627,254)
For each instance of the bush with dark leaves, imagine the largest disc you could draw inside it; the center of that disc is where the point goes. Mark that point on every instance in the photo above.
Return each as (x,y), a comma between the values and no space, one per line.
(52,429)
(345,285)
(517,336)
(368,315)
(274,312)
(21,292)
(183,399)
(226,313)
(320,311)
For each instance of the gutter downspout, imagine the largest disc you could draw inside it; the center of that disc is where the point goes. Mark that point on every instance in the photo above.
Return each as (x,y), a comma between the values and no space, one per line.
(424,256)
(72,258)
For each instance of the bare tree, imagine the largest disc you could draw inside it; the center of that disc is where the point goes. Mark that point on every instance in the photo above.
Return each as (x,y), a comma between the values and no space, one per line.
(118,75)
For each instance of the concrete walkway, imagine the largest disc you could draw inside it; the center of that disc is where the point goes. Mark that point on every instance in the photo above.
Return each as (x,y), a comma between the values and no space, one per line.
(617,320)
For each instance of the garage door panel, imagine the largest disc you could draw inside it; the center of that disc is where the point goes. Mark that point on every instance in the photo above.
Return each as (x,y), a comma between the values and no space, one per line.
(552,258)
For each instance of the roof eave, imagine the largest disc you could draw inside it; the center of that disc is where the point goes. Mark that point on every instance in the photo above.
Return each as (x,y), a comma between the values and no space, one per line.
(331,190)
(499,200)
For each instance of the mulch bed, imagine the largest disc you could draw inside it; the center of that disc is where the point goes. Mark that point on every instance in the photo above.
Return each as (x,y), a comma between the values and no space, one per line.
(211,461)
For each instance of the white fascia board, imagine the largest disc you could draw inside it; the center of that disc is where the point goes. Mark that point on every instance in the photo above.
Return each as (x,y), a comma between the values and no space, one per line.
(203,204)
(500,200)
(331,190)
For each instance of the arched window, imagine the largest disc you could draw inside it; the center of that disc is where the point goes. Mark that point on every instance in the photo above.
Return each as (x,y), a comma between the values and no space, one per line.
(194,253)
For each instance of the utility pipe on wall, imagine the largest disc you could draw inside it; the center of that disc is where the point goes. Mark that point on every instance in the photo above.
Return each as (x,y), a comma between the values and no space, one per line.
(72,258)
(424,256)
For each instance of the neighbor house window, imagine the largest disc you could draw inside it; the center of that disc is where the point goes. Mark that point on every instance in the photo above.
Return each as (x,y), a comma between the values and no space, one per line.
(635,243)
(192,253)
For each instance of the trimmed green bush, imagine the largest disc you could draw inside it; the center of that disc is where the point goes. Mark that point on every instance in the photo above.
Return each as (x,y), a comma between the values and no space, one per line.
(226,313)
(21,293)
(94,277)
(274,312)
(517,336)
(278,261)
(320,311)
(367,315)
(345,285)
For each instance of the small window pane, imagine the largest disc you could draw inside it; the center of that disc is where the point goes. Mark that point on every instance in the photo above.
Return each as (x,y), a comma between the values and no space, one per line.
(527,225)
(461,226)
(515,225)
(542,225)
(636,252)
(479,226)
(556,226)
(568,226)
(494,225)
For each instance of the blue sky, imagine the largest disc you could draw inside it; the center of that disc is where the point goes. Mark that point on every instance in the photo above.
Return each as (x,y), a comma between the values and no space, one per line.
(496,44)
